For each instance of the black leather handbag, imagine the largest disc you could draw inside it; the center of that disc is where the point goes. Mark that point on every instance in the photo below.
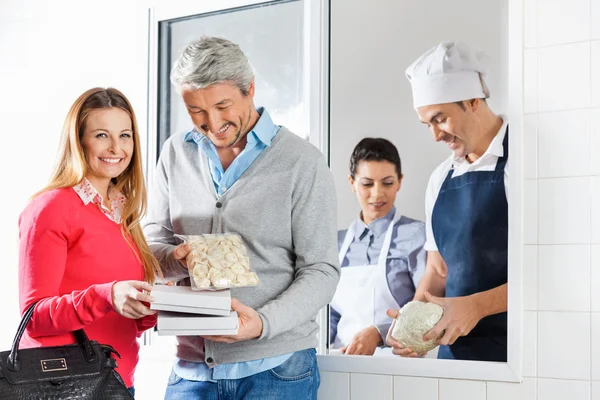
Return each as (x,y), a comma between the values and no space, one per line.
(79,371)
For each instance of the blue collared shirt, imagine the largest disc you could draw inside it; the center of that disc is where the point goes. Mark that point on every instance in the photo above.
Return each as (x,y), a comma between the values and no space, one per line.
(258,139)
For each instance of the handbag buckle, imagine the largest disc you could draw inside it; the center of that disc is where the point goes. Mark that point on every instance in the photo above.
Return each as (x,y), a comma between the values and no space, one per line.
(54,364)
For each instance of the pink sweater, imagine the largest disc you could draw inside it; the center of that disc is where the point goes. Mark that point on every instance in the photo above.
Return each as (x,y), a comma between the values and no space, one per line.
(70,255)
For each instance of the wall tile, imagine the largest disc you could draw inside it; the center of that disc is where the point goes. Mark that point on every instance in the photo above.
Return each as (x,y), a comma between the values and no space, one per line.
(595,17)
(369,387)
(595,390)
(564,142)
(334,386)
(557,263)
(564,210)
(530,143)
(407,388)
(549,389)
(461,390)
(530,211)
(530,277)
(557,358)
(595,136)
(530,81)
(530,343)
(513,391)
(595,224)
(530,29)
(555,25)
(564,77)
(595,273)
(595,84)
(596,346)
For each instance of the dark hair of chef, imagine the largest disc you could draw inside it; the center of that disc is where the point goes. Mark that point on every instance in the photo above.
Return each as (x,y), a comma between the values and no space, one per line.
(375,149)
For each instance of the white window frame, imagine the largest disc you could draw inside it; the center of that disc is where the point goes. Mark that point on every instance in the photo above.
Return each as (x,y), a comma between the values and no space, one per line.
(317,94)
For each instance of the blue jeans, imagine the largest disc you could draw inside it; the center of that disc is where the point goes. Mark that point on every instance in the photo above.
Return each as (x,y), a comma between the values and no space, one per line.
(132,391)
(297,378)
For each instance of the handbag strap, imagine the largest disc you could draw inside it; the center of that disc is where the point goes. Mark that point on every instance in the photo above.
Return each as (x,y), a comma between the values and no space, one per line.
(13,358)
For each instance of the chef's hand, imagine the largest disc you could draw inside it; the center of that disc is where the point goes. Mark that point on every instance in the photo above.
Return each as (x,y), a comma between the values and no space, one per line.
(180,253)
(249,325)
(364,342)
(461,314)
(397,348)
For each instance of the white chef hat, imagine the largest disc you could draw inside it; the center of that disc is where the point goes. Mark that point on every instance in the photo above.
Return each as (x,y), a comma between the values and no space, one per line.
(449,72)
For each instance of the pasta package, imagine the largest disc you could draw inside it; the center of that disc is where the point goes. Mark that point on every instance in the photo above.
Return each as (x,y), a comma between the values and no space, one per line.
(218,261)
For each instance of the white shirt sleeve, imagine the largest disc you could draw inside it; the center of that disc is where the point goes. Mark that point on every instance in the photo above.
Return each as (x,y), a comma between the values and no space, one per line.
(431,193)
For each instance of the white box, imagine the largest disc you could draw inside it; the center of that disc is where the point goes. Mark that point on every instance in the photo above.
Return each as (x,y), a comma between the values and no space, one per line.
(189,310)
(199,332)
(171,323)
(173,320)
(184,299)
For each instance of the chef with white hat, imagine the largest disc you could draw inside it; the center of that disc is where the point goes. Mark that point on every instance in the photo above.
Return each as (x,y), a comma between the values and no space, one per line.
(466,205)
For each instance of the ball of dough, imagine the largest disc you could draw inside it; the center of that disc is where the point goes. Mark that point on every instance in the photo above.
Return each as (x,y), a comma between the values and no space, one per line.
(417,318)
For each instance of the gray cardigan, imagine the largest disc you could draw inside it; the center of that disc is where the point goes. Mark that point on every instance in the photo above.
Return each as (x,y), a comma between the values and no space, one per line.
(284,207)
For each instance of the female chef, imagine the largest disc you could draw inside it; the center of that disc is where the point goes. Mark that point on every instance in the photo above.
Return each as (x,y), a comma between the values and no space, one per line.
(381,254)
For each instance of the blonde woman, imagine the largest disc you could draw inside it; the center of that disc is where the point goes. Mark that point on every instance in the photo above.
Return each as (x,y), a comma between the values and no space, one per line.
(82,255)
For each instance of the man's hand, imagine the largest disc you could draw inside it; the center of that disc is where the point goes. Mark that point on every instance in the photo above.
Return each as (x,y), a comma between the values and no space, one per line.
(364,342)
(461,314)
(180,253)
(397,348)
(249,324)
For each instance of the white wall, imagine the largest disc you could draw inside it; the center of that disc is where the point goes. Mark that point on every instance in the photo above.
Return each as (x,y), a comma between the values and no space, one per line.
(561,274)
(372,43)
(49,56)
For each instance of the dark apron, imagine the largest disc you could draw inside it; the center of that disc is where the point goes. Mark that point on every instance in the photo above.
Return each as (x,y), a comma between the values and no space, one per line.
(470,227)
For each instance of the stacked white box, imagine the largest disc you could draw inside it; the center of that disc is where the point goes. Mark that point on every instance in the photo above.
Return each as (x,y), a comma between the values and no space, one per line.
(181,324)
(183,311)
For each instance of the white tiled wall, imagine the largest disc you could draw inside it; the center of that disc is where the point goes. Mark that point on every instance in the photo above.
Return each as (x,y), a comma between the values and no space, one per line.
(561,276)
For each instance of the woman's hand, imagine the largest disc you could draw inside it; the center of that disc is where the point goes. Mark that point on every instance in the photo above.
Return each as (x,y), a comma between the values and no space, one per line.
(364,343)
(127,297)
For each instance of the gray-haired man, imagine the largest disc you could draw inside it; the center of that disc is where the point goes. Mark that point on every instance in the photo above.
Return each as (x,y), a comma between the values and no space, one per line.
(237,171)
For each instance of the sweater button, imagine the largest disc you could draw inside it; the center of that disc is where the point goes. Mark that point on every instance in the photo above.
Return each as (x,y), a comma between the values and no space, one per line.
(209,360)
(219,204)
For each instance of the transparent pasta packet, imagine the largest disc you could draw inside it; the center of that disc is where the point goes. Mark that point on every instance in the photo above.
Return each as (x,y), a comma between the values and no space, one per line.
(218,261)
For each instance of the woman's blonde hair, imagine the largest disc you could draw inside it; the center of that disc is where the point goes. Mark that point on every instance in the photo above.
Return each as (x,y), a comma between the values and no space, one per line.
(71,167)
